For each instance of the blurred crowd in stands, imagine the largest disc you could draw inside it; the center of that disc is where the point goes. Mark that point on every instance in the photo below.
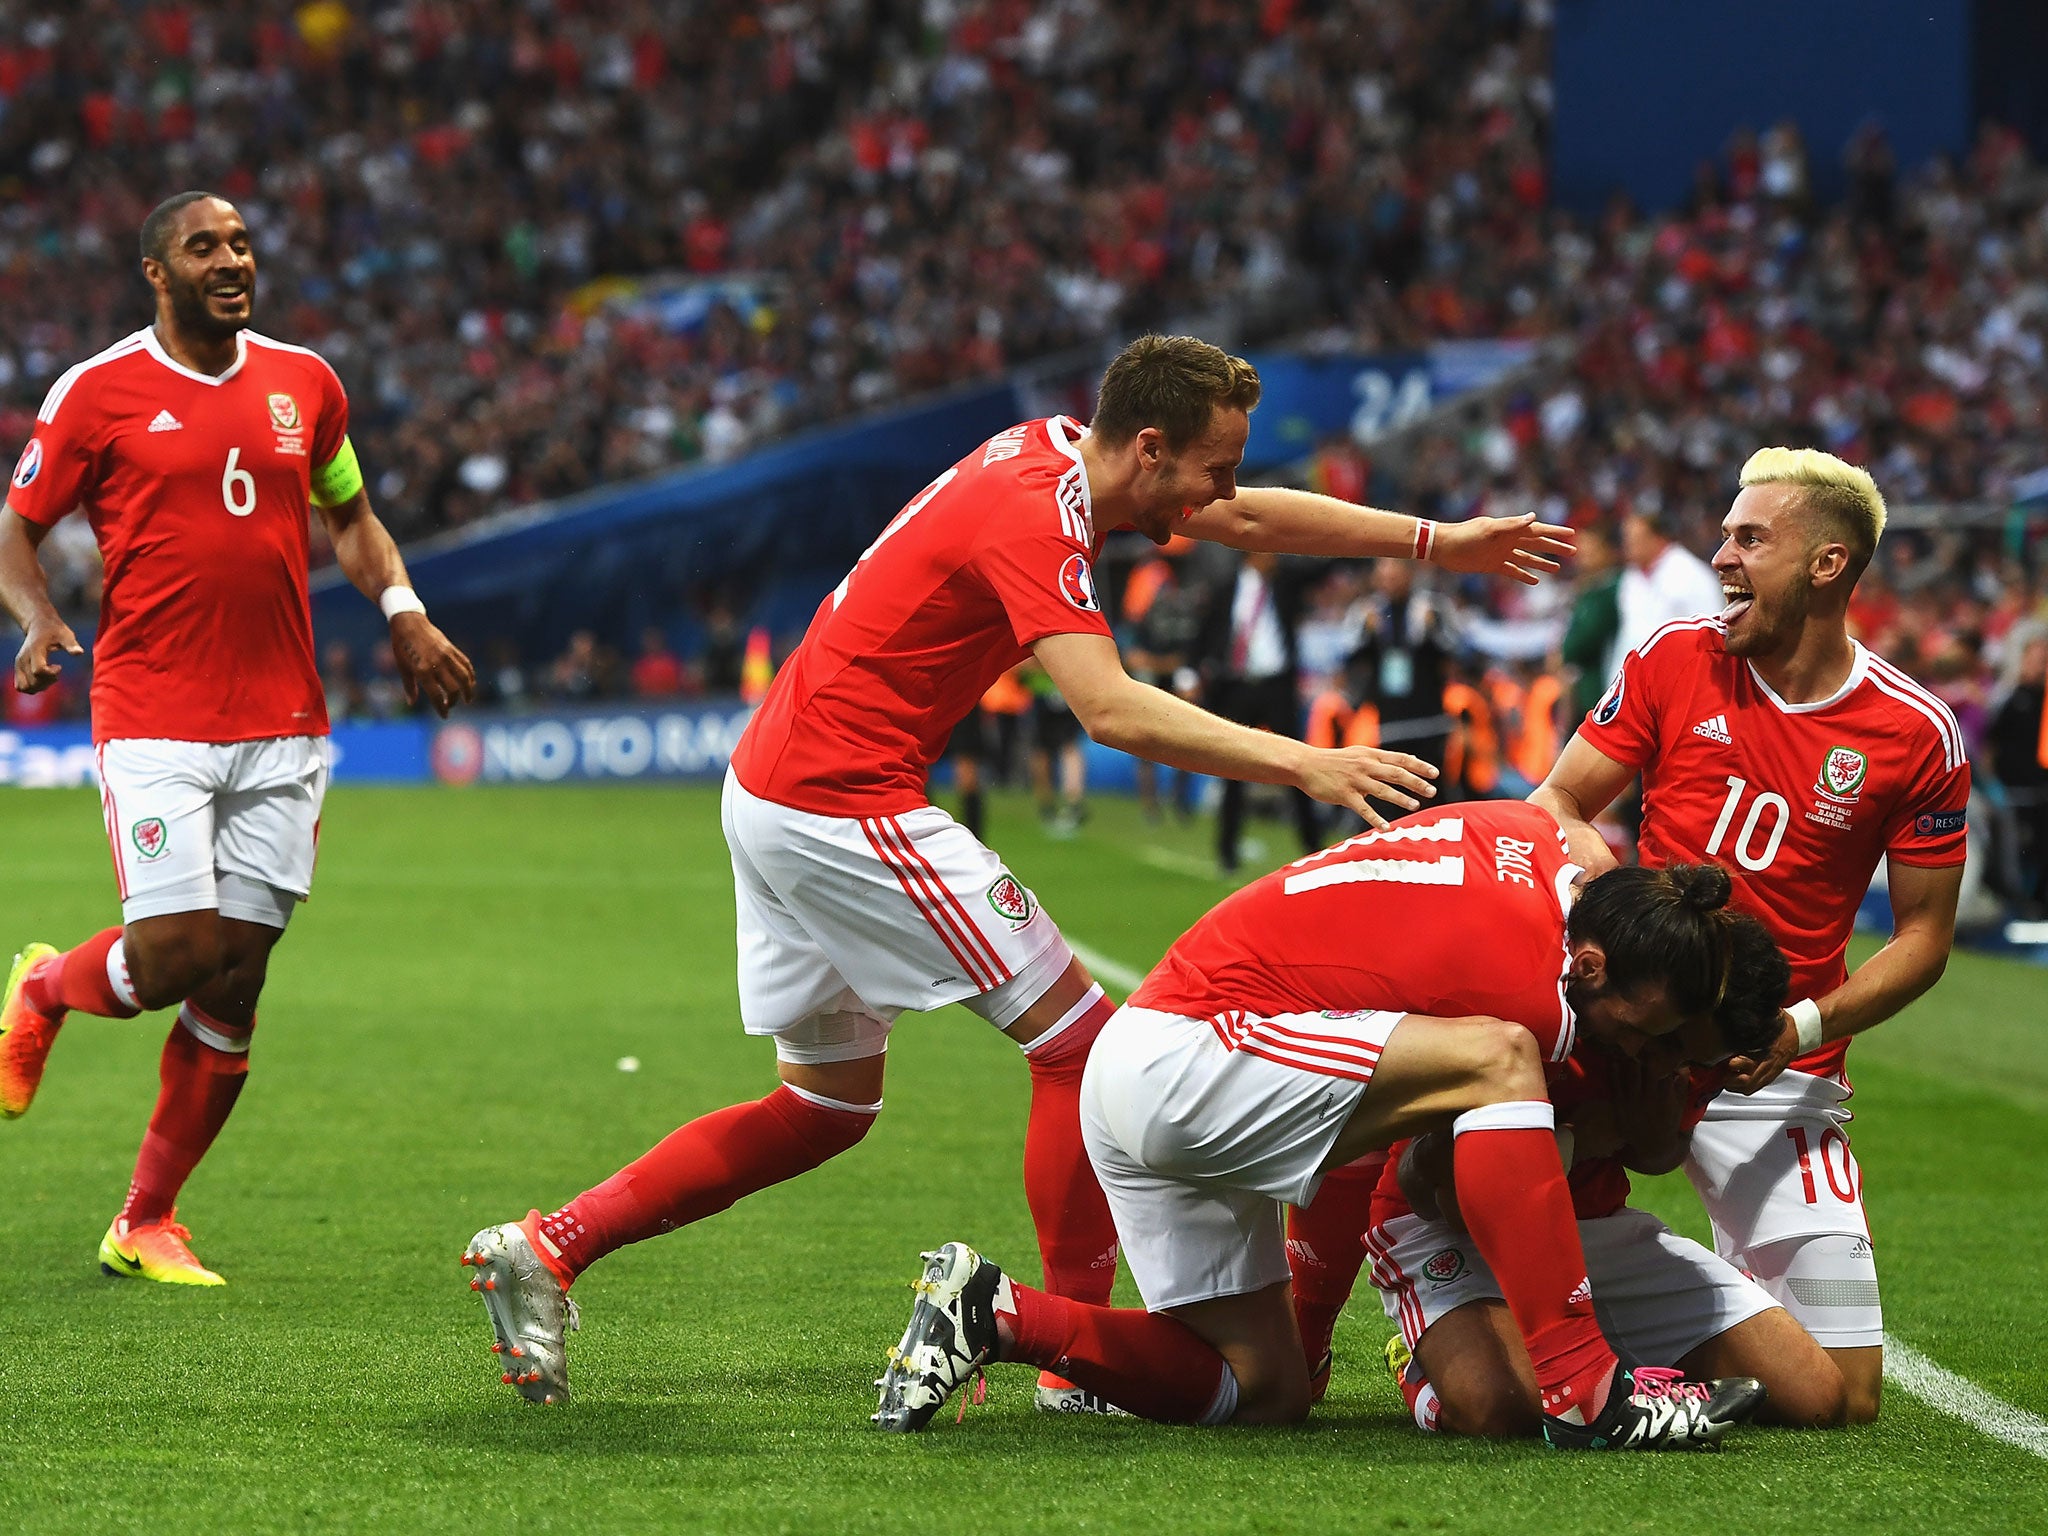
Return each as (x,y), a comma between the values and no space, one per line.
(559,243)
(490,216)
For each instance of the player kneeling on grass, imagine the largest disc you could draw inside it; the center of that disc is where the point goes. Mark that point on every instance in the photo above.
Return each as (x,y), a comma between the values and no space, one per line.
(194,446)
(1667,1302)
(1357,997)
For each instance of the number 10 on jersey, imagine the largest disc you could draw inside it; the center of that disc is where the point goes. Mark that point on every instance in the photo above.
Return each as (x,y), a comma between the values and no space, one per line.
(1747,854)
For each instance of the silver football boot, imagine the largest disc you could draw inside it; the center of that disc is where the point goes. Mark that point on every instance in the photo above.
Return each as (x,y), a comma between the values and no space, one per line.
(531,1312)
(952,1335)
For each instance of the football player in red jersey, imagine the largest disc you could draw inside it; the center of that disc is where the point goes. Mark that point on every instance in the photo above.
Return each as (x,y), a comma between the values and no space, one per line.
(1458,1358)
(1419,977)
(1768,738)
(194,447)
(858,900)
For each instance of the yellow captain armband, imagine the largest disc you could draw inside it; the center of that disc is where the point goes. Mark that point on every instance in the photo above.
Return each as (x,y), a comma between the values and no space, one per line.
(339,478)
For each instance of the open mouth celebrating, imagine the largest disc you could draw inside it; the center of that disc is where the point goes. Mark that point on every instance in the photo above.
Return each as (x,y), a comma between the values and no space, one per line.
(1737,601)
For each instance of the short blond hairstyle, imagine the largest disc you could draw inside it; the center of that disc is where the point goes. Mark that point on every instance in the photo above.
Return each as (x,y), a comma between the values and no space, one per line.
(1842,497)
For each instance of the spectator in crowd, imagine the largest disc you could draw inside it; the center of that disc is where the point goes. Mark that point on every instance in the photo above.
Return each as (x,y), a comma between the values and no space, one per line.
(1059,762)
(1163,615)
(338,678)
(502,683)
(658,672)
(2019,761)
(1248,666)
(1588,643)
(1401,662)
(725,648)
(384,690)
(583,672)
(1662,580)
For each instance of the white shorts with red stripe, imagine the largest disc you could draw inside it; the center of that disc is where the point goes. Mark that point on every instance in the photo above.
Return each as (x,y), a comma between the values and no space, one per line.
(229,827)
(1659,1296)
(845,922)
(1200,1130)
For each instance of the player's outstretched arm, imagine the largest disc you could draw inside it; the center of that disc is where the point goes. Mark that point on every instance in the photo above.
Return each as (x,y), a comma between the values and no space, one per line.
(1582,783)
(428,660)
(1286,521)
(25,593)
(1923,933)
(1149,722)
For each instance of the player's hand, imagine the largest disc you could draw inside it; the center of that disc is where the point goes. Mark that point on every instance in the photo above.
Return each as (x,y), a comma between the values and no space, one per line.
(431,664)
(1354,776)
(1427,1179)
(1747,1074)
(34,670)
(1519,548)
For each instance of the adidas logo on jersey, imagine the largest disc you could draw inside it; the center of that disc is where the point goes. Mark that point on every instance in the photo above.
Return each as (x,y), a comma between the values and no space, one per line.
(1715,729)
(166,422)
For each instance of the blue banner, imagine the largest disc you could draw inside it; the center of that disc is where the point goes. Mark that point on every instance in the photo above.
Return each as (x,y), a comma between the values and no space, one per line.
(1307,400)
(606,745)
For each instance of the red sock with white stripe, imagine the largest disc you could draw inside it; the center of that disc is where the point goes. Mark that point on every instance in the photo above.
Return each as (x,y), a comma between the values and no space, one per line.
(92,978)
(1076,1234)
(204,1065)
(1518,1208)
(1326,1249)
(698,1171)
(1144,1362)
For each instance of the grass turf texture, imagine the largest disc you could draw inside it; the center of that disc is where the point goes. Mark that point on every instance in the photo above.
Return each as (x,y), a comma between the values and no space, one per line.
(438,1051)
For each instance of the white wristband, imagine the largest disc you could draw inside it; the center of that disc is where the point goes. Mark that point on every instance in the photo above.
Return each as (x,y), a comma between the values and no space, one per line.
(397,600)
(1806,1016)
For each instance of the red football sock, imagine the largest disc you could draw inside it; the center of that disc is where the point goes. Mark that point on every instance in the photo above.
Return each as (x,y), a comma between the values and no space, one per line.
(204,1064)
(1076,1236)
(1144,1362)
(78,979)
(1518,1208)
(1326,1249)
(699,1170)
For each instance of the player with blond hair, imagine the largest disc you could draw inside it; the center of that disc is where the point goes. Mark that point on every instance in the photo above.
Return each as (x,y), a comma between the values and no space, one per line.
(1770,740)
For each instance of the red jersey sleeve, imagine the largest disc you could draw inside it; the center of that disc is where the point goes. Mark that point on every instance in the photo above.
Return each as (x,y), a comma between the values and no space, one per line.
(1930,824)
(1624,724)
(331,427)
(57,467)
(1045,582)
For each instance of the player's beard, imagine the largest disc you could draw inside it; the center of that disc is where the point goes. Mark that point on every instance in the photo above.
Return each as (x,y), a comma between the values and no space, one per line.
(1770,625)
(188,308)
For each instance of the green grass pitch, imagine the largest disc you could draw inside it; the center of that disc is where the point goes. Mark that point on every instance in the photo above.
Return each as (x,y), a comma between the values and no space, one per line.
(438,1050)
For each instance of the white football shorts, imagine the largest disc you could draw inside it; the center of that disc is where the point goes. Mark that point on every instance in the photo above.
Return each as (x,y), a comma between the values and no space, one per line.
(1201,1129)
(846,922)
(1785,1193)
(202,826)
(1659,1296)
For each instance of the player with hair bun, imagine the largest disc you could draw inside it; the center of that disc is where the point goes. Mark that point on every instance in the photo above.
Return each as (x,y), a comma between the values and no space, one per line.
(1423,977)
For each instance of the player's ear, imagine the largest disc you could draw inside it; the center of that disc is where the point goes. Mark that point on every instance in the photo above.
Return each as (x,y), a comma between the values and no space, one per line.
(1827,563)
(1151,445)
(1589,963)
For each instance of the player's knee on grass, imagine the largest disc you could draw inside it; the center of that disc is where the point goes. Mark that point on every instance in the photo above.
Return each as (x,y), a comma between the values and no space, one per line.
(1485,1385)
(1863,1382)
(1805,1386)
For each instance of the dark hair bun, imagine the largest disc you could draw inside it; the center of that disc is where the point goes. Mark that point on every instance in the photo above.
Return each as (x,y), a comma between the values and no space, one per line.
(1704,887)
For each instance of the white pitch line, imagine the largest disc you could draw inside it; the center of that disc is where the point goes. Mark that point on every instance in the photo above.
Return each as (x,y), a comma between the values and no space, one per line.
(1951,1394)
(1105,969)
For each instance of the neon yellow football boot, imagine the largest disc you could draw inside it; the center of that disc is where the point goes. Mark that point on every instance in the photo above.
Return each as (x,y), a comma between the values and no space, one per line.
(157,1250)
(25,1036)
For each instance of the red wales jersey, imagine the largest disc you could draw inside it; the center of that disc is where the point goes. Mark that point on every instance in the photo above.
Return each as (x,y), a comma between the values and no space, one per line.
(198,490)
(1798,801)
(1452,911)
(994,555)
